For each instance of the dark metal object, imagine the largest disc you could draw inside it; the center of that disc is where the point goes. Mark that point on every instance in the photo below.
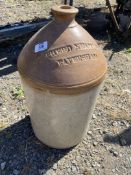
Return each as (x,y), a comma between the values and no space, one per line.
(121,4)
(70,2)
(121,18)
(20,30)
(113,16)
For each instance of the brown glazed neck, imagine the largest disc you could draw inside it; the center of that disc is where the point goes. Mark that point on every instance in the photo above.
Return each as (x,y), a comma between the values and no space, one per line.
(64,13)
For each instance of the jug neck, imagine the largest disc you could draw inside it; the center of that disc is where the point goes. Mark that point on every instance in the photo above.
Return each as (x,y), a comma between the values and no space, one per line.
(64,13)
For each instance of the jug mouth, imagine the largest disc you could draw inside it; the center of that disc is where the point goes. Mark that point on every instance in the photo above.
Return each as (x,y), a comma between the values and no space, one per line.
(64,9)
(64,12)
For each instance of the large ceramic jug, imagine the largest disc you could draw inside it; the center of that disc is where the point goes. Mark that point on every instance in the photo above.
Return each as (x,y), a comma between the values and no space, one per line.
(62,69)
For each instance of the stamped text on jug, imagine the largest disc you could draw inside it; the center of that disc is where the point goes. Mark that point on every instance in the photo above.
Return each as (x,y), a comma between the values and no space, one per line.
(72,48)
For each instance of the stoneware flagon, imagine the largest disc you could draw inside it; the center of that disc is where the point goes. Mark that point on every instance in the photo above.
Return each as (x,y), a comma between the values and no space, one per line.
(62,69)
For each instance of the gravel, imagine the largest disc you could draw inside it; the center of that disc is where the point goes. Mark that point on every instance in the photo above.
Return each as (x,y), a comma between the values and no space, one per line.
(3,164)
(12,11)
(16,172)
(106,149)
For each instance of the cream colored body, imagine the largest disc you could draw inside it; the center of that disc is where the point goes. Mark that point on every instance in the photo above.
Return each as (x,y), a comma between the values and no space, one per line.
(60,121)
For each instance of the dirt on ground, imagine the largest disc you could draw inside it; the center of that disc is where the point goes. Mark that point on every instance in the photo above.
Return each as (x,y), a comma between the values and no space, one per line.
(106,149)
(15,11)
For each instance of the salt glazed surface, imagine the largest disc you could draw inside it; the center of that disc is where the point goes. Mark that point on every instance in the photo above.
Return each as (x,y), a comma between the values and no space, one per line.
(62,69)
